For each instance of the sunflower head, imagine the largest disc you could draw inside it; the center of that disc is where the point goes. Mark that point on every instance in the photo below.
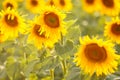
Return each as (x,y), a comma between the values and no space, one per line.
(95,53)
(37,32)
(51,19)
(115,29)
(34,5)
(90,5)
(109,7)
(65,5)
(52,22)
(10,4)
(112,30)
(96,56)
(108,3)
(50,2)
(11,20)
(11,23)
(38,37)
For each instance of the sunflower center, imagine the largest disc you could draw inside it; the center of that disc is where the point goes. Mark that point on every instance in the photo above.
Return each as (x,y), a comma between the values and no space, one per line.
(62,2)
(9,5)
(90,1)
(115,29)
(51,2)
(11,20)
(51,19)
(108,3)
(95,53)
(34,2)
(37,32)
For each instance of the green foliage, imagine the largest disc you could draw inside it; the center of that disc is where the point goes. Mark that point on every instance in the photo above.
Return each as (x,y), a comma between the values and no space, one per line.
(66,48)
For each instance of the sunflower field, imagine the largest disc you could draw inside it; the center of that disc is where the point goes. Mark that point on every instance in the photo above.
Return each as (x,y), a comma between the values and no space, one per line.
(59,39)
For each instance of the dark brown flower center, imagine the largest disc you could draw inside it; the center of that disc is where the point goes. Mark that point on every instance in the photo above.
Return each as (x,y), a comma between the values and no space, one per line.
(95,53)
(34,2)
(108,3)
(51,2)
(115,29)
(11,20)
(37,32)
(90,1)
(51,19)
(62,2)
(9,5)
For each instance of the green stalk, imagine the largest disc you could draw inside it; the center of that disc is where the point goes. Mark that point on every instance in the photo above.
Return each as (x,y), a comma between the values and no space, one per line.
(52,73)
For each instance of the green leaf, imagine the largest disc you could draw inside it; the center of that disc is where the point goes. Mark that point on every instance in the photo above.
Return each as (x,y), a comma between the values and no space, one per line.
(73,33)
(74,74)
(50,62)
(70,23)
(12,67)
(3,74)
(30,67)
(112,77)
(62,49)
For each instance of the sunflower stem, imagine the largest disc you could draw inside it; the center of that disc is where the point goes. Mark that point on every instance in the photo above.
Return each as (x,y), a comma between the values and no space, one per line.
(61,39)
(64,67)
(52,74)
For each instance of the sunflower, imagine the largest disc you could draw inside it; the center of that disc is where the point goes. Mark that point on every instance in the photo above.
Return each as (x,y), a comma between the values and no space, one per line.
(90,5)
(37,38)
(11,23)
(96,56)
(34,5)
(63,4)
(50,3)
(10,3)
(112,30)
(109,7)
(52,22)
